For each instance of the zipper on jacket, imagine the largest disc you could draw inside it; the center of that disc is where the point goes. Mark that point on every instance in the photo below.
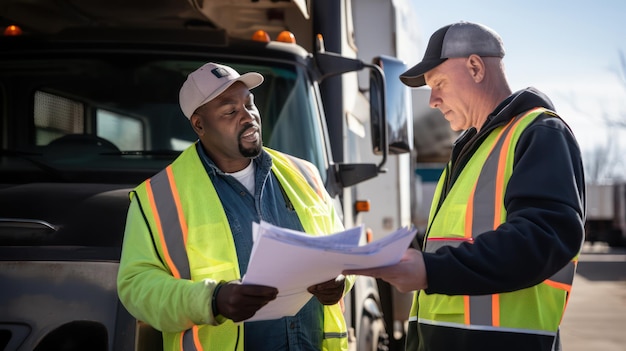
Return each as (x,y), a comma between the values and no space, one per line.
(288,203)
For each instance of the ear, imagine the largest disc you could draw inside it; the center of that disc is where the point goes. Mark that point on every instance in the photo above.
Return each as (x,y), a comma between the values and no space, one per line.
(476,67)
(197,124)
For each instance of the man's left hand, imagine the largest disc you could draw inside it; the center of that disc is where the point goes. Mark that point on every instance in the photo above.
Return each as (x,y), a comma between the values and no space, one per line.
(329,292)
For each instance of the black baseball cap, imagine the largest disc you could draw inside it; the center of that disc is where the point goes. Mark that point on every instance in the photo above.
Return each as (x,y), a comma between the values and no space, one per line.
(460,39)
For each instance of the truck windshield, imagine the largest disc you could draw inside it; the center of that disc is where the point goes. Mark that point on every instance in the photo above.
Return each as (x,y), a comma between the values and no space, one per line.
(115,114)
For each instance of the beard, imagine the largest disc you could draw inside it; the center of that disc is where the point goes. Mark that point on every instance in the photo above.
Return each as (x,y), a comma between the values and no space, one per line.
(250,152)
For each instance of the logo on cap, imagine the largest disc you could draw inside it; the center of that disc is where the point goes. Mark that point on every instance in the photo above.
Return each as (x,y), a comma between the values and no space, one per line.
(220,72)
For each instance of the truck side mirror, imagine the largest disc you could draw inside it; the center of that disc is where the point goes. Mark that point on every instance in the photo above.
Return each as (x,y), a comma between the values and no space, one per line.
(330,64)
(396,133)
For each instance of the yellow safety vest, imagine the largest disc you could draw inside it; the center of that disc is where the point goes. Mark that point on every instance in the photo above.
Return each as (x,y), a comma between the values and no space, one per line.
(475,205)
(179,220)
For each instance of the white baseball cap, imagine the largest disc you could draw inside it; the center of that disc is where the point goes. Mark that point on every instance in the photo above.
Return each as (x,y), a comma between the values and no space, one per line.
(209,81)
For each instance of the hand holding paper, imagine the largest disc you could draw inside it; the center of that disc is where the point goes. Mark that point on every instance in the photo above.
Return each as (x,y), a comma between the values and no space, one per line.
(292,261)
(239,302)
(407,275)
(329,292)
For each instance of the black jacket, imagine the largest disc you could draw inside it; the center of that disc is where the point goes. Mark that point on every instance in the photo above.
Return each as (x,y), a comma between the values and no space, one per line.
(545,205)
(544,229)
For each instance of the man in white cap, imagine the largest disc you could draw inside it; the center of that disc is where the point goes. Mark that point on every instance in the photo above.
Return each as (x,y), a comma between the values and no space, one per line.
(188,235)
(506,223)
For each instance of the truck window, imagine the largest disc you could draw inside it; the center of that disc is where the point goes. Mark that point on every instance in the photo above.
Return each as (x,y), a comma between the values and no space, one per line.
(126,132)
(103,113)
(56,116)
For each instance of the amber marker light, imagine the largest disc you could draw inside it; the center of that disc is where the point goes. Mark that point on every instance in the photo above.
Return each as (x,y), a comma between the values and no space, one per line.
(286,37)
(12,31)
(261,35)
(362,206)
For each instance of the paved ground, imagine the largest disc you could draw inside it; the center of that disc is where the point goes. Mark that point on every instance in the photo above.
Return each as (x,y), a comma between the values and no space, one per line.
(595,318)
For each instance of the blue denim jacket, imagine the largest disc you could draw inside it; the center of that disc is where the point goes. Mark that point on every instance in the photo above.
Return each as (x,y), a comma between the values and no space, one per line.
(304,331)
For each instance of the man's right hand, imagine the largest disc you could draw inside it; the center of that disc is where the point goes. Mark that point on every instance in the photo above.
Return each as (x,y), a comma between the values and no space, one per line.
(239,302)
(407,275)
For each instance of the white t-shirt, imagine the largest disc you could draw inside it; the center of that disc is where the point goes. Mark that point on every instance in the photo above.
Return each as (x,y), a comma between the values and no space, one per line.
(246,177)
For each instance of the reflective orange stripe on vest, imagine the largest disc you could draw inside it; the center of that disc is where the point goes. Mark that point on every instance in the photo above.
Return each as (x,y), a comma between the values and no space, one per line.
(169,219)
(485,199)
(172,228)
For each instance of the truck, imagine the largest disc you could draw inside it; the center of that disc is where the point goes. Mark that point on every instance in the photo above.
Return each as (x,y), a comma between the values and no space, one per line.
(606,214)
(89,96)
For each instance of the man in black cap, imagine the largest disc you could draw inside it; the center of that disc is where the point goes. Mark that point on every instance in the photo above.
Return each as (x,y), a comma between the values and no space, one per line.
(506,225)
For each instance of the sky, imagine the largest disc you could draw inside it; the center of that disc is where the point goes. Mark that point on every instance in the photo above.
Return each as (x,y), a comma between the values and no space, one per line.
(570,50)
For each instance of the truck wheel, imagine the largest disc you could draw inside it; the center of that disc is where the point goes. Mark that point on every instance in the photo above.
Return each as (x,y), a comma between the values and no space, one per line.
(373,336)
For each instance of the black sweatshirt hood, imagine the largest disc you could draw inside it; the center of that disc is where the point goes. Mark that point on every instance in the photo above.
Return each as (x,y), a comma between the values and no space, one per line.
(520,101)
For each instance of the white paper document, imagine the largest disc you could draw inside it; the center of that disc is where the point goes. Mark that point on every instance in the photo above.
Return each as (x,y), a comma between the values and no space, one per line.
(292,261)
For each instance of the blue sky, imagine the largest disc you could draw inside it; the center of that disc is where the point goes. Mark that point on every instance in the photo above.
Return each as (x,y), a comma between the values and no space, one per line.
(568,49)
